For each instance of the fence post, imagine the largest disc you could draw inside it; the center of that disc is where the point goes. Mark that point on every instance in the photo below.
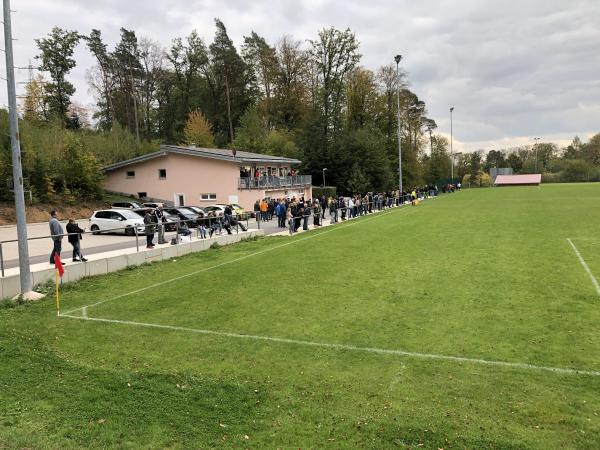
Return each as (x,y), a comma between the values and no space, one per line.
(137,241)
(1,260)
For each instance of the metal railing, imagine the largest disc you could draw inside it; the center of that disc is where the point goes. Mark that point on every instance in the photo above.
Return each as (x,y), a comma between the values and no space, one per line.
(270,181)
(215,223)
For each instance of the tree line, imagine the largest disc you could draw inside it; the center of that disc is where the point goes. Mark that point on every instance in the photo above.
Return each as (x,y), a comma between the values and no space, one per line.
(578,161)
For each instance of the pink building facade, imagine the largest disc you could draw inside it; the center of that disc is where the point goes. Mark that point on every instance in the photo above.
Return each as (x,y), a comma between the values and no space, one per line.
(198,176)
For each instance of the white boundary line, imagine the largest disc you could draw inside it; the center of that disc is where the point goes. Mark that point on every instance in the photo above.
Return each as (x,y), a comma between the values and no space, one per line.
(460,359)
(359,221)
(585,266)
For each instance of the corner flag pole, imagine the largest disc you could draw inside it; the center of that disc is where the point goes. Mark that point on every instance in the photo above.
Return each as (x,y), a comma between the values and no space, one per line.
(57,295)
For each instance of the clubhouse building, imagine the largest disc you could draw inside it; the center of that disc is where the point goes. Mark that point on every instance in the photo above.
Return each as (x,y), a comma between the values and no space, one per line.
(180,176)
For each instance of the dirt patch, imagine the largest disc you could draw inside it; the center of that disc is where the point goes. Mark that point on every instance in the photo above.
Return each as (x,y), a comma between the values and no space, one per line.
(41,212)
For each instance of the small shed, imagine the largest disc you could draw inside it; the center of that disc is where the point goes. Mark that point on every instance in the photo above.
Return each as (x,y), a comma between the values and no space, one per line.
(533,179)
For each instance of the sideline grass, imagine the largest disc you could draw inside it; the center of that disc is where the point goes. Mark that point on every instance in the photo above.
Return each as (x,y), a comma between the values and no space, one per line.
(482,274)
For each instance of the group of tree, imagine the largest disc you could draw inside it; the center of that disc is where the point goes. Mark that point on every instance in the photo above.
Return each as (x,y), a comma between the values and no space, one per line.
(311,100)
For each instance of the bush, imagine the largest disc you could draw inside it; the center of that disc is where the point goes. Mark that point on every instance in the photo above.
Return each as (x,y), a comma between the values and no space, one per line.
(482,180)
(327,191)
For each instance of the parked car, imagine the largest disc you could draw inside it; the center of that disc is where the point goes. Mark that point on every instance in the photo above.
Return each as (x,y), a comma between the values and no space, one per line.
(219,210)
(127,205)
(152,205)
(184,214)
(198,210)
(117,221)
(240,212)
(236,209)
(170,225)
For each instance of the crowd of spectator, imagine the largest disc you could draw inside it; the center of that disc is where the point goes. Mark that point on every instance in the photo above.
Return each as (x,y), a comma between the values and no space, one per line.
(293,213)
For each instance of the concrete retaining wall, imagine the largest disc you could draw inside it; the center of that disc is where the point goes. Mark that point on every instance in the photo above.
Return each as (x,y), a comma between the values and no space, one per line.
(102,263)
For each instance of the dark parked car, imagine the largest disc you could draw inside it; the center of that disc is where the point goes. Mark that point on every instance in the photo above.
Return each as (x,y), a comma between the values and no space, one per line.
(184,214)
(170,225)
(198,210)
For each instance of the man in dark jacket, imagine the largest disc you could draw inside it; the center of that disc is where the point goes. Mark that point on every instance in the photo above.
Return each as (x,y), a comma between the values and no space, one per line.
(75,240)
(149,219)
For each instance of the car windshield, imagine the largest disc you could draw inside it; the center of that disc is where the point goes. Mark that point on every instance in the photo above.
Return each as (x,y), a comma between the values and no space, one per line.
(236,206)
(129,214)
(187,212)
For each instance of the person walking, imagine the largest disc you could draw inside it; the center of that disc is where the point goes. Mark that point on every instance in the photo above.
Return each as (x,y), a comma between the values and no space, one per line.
(74,239)
(56,230)
(160,219)
(149,222)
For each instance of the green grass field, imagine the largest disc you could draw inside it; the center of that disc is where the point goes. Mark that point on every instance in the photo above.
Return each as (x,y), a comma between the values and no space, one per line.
(482,275)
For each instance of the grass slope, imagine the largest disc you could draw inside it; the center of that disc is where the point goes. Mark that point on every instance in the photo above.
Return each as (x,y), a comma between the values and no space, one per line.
(480,274)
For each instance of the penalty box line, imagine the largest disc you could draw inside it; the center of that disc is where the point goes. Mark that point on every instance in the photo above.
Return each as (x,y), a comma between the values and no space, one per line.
(353,348)
(241,258)
(585,266)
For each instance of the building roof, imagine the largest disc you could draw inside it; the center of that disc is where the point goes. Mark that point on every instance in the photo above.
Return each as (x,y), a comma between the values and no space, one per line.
(534,178)
(212,153)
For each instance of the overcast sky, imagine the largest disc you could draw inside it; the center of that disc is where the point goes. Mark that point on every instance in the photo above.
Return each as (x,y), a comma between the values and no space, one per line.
(513,69)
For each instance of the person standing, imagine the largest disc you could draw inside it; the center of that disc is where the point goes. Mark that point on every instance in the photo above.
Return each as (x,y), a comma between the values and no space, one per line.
(74,239)
(56,230)
(306,215)
(160,219)
(149,222)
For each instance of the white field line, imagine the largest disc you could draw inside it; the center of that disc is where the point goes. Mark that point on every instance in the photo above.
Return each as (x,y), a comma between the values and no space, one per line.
(585,266)
(432,356)
(334,228)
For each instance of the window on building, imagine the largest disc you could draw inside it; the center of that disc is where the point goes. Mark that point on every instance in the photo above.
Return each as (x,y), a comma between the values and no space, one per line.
(162,174)
(130,174)
(207,197)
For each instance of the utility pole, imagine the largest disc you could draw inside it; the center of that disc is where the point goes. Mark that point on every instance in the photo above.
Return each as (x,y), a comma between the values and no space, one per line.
(398,58)
(24,271)
(451,148)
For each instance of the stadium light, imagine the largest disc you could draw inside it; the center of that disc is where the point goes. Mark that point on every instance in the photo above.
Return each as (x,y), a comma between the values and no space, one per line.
(451,147)
(398,58)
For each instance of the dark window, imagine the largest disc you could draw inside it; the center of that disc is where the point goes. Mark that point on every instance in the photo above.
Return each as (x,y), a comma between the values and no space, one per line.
(102,215)
(142,195)
(131,174)
(162,174)
(116,216)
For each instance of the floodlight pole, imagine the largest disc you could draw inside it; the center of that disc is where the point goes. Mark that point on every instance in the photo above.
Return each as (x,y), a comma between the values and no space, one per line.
(451,148)
(398,58)
(537,141)
(324,170)
(24,273)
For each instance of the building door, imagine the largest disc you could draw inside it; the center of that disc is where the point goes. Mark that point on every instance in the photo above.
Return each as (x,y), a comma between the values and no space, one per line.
(179,199)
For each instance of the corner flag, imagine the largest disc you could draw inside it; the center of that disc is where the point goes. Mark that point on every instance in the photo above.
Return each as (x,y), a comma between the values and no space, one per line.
(60,271)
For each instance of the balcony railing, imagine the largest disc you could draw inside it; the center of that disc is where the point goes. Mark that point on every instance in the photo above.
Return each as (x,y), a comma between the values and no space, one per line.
(272,182)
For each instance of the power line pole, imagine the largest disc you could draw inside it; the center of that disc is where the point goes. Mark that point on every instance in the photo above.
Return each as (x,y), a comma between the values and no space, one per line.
(398,58)
(24,272)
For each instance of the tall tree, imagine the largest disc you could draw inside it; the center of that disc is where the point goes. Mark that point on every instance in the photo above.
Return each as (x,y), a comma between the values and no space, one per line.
(57,59)
(291,93)
(231,81)
(261,59)
(105,65)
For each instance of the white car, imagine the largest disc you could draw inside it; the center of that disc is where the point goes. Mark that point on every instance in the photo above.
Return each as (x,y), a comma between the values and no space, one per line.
(219,210)
(118,221)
